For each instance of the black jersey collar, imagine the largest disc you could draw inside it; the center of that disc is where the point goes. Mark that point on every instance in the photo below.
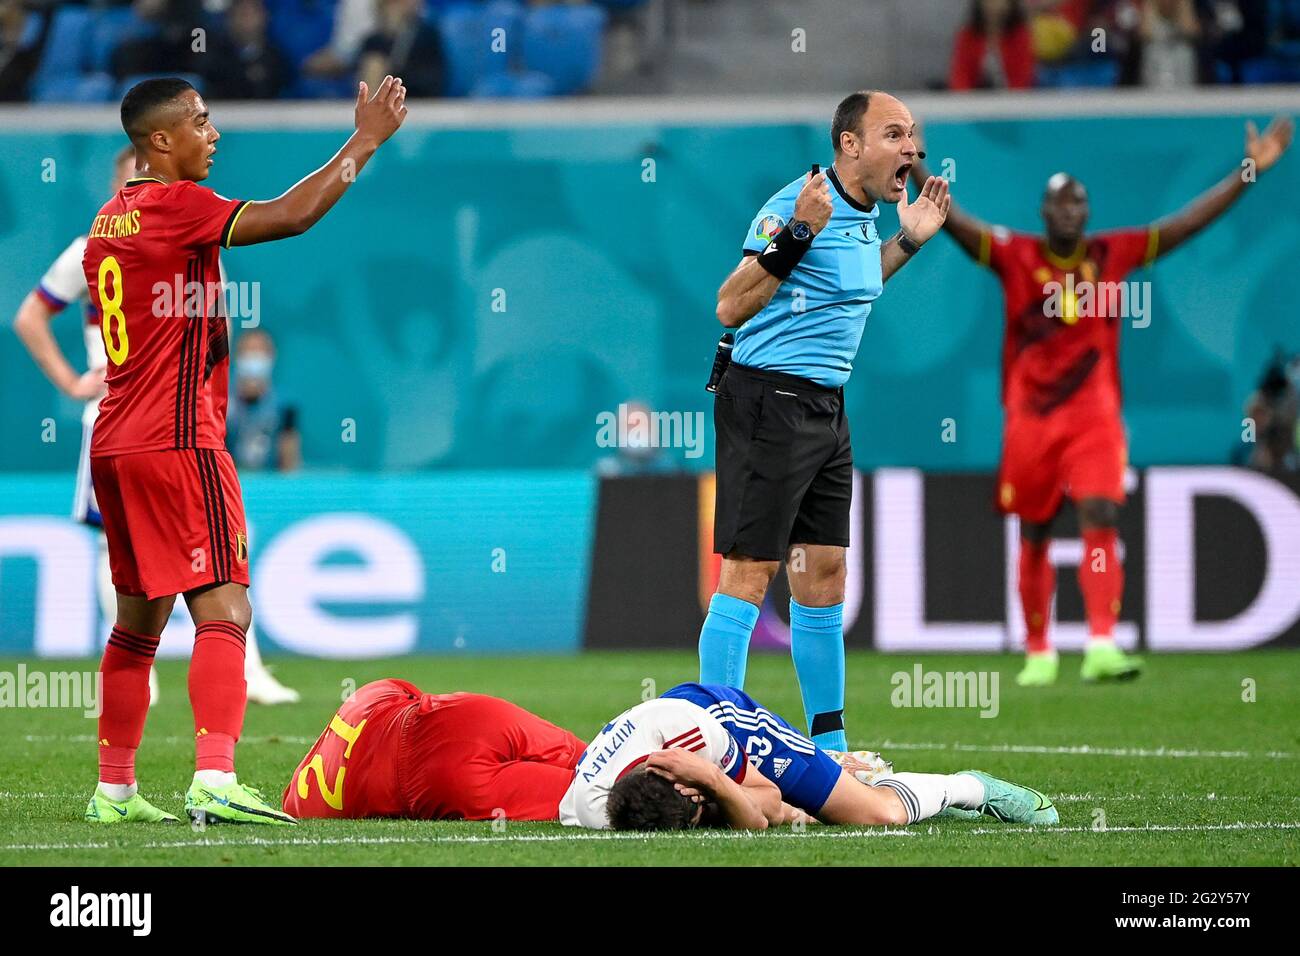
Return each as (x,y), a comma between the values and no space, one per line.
(839,188)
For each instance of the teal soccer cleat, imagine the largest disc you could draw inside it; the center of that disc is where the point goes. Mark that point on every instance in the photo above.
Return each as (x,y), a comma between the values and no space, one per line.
(1012,803)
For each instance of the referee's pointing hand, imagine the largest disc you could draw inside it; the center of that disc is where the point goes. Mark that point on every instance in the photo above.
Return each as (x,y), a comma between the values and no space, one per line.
(813,204)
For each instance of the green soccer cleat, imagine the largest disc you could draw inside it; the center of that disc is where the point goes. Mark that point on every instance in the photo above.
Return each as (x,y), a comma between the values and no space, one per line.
(1040,670)
(135,809)
(1102,660)
(233,803)
(957,813)
(1012,803)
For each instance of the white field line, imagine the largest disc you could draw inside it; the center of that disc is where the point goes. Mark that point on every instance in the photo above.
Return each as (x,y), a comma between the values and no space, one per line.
(1059,798)
(1085,750)
(1074,750)
(814,832)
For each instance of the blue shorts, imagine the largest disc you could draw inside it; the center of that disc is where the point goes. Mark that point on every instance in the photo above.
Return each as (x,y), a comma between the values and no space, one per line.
(801,770)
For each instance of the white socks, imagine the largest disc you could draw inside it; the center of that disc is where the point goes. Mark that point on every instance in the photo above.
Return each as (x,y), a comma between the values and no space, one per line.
(213,778)
(925,794)
(118,792)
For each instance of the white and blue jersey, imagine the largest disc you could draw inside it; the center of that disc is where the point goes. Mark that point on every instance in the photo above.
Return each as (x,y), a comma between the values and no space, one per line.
(629,739)
(813,325)
(63,284)
(802,771)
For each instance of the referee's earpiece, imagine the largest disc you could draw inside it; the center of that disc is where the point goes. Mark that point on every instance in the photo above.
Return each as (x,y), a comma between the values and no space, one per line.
(921,155)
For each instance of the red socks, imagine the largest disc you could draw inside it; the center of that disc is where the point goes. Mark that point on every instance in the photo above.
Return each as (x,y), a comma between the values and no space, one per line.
(1101,579)
(124,698)
(1037,584)
(218,693)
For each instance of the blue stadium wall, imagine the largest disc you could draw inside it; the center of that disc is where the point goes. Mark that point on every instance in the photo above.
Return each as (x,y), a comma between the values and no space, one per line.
(387,313)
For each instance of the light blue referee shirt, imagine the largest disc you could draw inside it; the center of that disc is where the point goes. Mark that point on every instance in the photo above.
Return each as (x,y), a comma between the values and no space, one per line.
(814,323)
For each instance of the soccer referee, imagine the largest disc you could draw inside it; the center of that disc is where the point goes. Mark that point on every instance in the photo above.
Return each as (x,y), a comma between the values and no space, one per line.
(798,302)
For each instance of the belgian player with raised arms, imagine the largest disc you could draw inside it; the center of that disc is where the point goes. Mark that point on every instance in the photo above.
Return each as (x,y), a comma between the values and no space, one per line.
(166,486)
(1063,435)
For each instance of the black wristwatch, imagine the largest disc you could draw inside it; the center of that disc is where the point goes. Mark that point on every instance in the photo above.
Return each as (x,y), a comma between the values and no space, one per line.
(908,246)
(801,231)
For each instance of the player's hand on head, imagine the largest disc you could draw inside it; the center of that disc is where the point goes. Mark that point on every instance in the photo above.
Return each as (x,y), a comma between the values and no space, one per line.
(378,115)
(923,216)
(813,204)
(681,766)
(1267,148)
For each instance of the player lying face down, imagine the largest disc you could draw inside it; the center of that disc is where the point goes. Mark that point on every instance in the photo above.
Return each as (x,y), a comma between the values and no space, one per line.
(690,758)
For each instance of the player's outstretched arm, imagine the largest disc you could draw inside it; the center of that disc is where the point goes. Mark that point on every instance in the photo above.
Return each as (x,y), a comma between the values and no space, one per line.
(32,325)
(1262,152)
(377,118)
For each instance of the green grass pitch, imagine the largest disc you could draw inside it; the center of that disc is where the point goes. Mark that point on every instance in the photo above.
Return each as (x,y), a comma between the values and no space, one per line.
(1173,769)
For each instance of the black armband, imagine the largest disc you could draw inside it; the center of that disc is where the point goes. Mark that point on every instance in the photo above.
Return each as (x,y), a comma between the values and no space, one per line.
(906,244)
(785,251)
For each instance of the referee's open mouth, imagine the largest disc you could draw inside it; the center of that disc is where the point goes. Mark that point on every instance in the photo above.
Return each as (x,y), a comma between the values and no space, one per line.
(900,176)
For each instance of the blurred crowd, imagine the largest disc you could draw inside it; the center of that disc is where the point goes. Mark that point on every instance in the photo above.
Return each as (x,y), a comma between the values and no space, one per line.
(1271,431)
(267,49)
(1019,44)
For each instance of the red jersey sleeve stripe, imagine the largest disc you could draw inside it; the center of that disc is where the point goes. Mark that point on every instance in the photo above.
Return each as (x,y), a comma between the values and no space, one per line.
(669,743)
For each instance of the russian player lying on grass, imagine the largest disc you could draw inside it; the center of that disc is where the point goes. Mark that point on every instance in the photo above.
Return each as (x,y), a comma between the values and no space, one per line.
(706,754)
(393,751)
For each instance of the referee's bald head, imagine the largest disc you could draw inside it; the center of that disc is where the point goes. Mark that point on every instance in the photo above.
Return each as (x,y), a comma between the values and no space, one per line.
(848,115)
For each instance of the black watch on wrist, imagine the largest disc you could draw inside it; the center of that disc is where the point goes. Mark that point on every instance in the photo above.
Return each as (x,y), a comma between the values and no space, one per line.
(908,246)
(801,231)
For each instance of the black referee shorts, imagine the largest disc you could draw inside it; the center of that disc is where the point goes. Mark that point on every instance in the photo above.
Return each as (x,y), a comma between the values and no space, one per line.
(784,464)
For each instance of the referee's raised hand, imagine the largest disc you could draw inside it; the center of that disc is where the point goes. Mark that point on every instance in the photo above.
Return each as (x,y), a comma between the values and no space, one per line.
(813,204)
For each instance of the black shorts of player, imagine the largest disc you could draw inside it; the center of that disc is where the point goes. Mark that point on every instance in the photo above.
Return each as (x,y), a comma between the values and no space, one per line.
(784,464)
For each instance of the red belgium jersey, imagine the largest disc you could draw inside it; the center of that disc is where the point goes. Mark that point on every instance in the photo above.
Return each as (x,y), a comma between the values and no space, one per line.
(151,263)
(1061,345)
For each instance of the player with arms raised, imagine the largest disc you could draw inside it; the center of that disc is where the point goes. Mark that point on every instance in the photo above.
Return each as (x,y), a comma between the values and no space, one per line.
(166,486)
(1063,436)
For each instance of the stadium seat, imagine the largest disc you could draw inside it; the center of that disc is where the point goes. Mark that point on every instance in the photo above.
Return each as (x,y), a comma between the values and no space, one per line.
(565,44)
(193,79)
(518,86)
(67,48)
(467,36)
(110,29)
(85,88)
(300,27)
(321,88)
(1101,73)
(1269,69)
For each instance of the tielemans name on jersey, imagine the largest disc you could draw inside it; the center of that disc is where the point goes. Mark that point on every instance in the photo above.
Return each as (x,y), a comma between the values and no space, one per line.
(116,226)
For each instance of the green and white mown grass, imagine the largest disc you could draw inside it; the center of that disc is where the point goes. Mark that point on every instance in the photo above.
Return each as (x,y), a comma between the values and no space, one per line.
(1173,769)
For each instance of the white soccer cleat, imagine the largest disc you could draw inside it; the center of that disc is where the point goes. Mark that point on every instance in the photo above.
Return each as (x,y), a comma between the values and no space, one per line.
(866,766)
(265,689)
